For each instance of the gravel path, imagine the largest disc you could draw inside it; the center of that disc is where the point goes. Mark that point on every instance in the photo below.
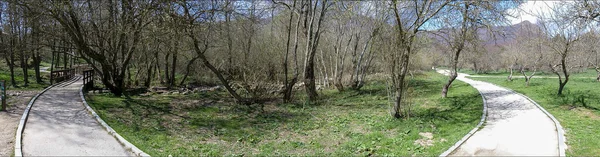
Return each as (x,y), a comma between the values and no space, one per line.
(520,76)
(9,120)
(514,126)
(59,125)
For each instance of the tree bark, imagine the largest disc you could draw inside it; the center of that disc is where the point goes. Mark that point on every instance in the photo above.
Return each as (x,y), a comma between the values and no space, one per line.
(312,44)
(24,66)
(36,65)
(289,83)
(451,79)
(173,66)
(511,74)
(10,62)
(167,74)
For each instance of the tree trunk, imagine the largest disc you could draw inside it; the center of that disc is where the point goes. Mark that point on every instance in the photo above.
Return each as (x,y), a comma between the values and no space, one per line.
(309,78)
(313,43)
(286,97)
(598,71)
(475,67)
(561,87)
(36,65)
(511,74)
(150,73)
(397,106)
(11,67)
(173,66)
(399,81)
(188,67)
(451,79)
(24,66)
(289,86)
(167,69)
(225,82)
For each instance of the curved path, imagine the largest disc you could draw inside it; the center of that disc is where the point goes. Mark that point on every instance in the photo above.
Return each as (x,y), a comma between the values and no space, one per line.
(59,125)
(514,126)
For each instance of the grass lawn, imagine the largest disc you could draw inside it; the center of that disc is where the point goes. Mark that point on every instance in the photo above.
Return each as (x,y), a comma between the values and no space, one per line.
(5,75)
(346,123)
(503,73)
(578,110)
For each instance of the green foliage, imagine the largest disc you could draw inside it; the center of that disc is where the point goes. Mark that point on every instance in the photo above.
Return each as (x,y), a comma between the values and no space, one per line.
(578,110)
(346,123)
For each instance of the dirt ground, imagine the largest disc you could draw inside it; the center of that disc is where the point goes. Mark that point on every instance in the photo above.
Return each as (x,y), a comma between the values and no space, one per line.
(9,120)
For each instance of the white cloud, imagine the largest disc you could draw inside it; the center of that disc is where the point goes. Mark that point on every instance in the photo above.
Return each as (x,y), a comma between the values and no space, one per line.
(530,10)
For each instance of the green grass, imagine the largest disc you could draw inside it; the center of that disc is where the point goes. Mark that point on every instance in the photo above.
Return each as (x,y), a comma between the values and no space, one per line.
(504,73)
(349,123)
(578,110)
(5,75)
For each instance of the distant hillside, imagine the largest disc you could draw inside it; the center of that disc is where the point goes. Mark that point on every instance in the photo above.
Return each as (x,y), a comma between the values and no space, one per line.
(496,36)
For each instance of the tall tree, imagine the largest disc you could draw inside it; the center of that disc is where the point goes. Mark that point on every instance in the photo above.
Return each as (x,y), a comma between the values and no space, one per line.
(464,19)
(562,33)
(313,20)
(105,33)
(410,16)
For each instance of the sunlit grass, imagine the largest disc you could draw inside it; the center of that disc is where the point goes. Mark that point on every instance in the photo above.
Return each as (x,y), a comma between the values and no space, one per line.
(349,123)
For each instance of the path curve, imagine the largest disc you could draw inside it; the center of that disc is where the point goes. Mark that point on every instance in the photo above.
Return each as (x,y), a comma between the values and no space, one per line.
(514,126)
(59,125)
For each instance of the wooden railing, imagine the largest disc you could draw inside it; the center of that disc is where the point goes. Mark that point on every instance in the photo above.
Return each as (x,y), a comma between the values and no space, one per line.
(61,75)
(88,80)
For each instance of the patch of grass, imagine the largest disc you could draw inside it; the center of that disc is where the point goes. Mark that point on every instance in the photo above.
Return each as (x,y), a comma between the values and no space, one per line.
(583,73)
(348,123)
(5,75)
(578,110)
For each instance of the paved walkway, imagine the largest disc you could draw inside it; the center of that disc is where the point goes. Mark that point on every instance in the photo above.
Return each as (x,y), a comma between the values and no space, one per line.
(59,125)
(521,76)
(514,126)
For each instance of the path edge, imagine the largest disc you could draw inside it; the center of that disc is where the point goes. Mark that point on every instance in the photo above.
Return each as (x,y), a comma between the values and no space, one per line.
(562,146)
(123,141)
(468,135)
(19,134)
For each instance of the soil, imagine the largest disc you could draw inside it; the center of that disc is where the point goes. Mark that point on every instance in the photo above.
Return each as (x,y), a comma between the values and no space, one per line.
(9,120)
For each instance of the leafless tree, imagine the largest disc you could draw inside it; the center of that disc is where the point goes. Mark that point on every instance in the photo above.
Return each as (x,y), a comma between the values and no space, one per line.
(472,15)
(562,34)
(410,16)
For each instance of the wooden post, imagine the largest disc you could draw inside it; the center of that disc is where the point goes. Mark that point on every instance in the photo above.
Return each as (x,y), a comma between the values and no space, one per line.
(3,94)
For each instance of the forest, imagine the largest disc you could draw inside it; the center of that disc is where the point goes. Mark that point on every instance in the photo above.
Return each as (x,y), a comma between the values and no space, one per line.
(259,53)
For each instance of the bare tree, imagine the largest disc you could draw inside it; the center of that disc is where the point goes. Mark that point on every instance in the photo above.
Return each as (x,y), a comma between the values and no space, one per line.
(313,20)
(410,16)
(562,34)
(106,41)
(472,15)
(200,20)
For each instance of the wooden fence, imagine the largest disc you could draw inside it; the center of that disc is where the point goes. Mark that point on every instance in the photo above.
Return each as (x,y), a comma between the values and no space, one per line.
(88,80)
(61,75)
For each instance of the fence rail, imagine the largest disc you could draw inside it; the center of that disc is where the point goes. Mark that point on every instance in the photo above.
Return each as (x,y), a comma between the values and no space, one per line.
(88,80)
(61,75)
